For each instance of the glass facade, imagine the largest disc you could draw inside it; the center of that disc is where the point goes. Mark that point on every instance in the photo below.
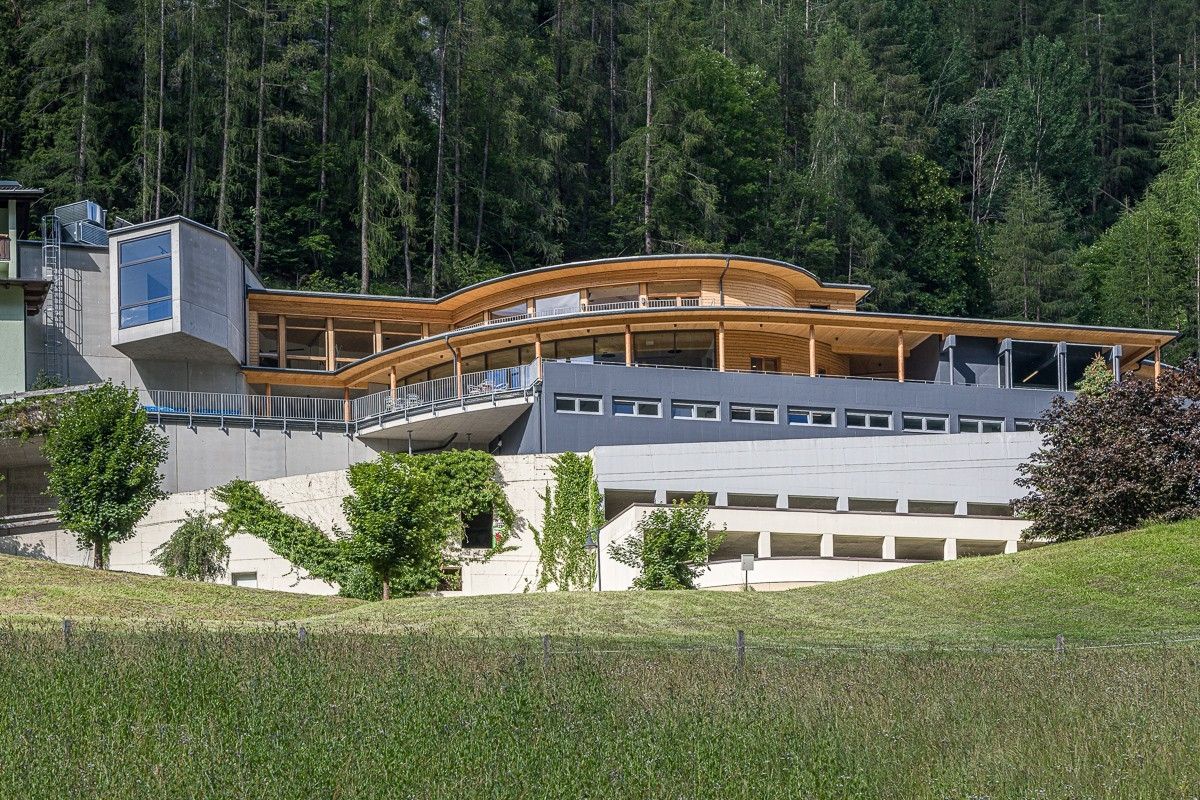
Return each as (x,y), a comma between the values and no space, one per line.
(675,349)
(144,269)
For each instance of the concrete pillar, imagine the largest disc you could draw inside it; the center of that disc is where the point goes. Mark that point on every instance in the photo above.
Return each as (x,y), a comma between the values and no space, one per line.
(950,550)
(889,548)
(902,505)
(721,499)
(781,501)
(960,508)
(1010,546)
(764,544)
(843,503)
(826,545)
(660,497)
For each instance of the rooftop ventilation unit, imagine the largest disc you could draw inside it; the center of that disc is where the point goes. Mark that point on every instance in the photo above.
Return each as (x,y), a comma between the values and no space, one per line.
(82,222)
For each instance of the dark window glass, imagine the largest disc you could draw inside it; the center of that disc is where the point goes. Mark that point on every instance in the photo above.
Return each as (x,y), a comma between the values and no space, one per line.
(478,531)
(1034,365)
(1079,357)
(675,348)
(145,280)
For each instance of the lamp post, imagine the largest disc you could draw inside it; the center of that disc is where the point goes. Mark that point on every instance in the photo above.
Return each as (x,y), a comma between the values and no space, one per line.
(592,544)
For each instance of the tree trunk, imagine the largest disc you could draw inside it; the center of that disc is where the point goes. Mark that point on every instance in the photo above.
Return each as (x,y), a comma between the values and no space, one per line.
(487,140)
(223,181)
(162,101)
(437,181)
(612,103)
(649,244)
(407,234)
(144,204)
(259,143)
(458,48)
(98,555)
(189,169)
(327,73)
(387,589)
(81,155)
(364,278)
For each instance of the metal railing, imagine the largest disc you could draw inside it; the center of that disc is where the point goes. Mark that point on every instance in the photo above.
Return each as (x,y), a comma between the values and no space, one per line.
(595,308)
(470,389)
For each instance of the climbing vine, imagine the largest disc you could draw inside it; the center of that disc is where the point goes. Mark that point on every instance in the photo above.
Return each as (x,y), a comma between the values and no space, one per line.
(465,484)
(572,509)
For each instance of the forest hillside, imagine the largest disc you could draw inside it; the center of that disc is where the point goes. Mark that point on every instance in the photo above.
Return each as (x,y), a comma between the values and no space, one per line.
(967,157)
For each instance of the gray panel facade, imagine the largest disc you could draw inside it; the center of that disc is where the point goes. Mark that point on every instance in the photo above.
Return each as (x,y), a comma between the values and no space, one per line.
(549,431)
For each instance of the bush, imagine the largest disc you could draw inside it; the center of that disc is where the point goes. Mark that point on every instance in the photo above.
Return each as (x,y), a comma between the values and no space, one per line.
(197,550)
(1116,457)
(672,546)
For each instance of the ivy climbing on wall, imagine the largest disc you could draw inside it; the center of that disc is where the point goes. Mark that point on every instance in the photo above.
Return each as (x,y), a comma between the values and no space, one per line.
(572,509)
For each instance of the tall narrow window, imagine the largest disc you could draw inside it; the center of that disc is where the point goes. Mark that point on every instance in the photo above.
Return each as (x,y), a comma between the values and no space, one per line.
(144,285)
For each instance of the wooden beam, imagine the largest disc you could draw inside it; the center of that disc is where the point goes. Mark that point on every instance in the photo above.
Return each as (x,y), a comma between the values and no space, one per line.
(330,364)
(346,402)
(378,340)
(628,346)
(720,347)
(900,356)
(282,345)
(812,351)
(1157,363)
(392,382)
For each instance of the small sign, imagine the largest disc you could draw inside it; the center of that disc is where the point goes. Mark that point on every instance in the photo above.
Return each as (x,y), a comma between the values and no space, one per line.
(747,562)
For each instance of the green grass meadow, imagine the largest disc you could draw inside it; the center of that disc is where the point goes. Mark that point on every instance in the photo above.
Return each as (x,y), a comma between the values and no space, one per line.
(189,713)
(935,681)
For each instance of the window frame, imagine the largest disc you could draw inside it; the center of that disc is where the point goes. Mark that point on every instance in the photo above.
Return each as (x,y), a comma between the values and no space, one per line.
(694,405)
(810,411)
(924,418)
(867,416)
(734,408)
(637,403)
(979,421)
(576,398)
(122,265)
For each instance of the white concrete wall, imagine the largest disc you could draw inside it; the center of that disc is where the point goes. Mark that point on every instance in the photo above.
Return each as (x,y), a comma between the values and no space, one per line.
(788,572)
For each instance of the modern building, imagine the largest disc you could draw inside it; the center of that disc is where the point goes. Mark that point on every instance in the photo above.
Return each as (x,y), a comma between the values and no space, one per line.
(734,360)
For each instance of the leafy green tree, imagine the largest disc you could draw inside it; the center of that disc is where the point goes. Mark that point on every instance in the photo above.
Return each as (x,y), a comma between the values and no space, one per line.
(104,458)
(397,527)
(1112,460)
(198,550)
(572,512)
(671,547)
(1030,255)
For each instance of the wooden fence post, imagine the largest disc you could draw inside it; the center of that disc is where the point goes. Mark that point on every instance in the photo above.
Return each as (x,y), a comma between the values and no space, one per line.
(741,650)
(546,650)
(68,626)
(1060,644)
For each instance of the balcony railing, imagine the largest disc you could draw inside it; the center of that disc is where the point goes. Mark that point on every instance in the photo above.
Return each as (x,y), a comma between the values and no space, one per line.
(596,308)
(431,396)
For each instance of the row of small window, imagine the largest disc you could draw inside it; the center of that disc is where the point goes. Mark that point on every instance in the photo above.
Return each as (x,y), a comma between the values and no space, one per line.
(769,415)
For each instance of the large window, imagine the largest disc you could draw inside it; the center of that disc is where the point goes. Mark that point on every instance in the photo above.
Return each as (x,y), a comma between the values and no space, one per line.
(556,305)
(1034,365)
(613,296)
(810,416)
(633,407)
(352,339)
(306,343)
(675,348)
(1080,357)
(747,413)
(576,404)
(268,340)
(145,280)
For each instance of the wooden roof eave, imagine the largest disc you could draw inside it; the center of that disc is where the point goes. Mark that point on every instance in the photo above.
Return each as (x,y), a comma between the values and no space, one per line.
(694,316)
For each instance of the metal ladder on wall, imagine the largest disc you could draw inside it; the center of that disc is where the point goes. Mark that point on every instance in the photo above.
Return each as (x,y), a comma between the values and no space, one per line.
(54,313)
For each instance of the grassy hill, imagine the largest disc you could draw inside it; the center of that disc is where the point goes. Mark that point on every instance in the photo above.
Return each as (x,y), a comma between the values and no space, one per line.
(1139,585)
(1132,586)
(38,590)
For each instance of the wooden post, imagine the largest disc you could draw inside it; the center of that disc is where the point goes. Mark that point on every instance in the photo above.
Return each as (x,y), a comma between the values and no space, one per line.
(1157,363)
(720,346)
(282,345)
(900,356)
(424,330)
(628,346)
(346,402)
(458,372)
(812,351)
(330,363)
(378,343)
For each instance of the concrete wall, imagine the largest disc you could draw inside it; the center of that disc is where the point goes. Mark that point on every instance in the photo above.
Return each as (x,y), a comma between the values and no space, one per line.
(768,526)
(12,339)
(545,430)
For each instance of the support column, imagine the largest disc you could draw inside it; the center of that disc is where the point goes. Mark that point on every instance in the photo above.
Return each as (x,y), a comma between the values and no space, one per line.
(950,550)
(812,351)
(1157,363)
(889,548)
(781,501)
(458,373)
(720,346)
(282,341)
(628,346)
(537,353)
(764,544)
(392,383)
(378,343)
(330,363)
(1010,547)
(660,497)
(346,403)
(826,545)
(900,356)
